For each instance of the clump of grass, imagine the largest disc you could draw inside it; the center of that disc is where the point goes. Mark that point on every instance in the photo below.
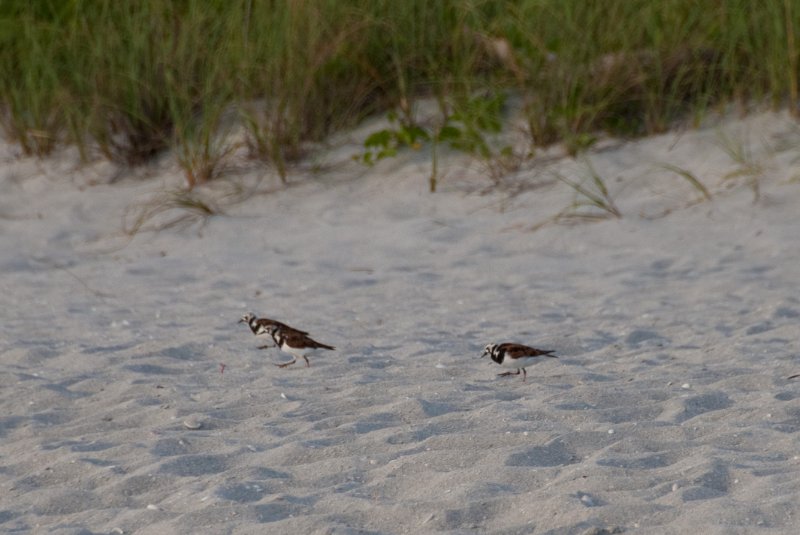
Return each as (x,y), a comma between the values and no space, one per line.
(173,209)
(124,85)
(748,168)
(305,73)
(628,68)
(31,98)
(201,151)
(592,201)
(199,95)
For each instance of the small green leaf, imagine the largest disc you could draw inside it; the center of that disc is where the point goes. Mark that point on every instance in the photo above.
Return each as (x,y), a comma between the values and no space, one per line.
(414,133)
(387,153)
(449,133)
(381,138)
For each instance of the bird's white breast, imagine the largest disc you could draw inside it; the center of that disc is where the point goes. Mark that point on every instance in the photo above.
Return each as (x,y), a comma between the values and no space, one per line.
(523,362)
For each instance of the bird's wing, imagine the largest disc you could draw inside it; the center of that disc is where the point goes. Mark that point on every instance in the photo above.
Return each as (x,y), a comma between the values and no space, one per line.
(516,351)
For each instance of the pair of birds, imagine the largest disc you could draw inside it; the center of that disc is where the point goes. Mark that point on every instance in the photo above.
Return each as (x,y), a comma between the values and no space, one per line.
(298,343)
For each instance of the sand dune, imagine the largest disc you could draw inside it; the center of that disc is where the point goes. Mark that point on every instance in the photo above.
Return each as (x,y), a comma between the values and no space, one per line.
(668,411)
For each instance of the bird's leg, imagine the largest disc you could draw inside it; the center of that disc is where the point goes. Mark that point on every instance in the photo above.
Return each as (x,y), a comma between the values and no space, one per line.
(508,373)
(287,363)
(524,375)
(266,346)
(308,364)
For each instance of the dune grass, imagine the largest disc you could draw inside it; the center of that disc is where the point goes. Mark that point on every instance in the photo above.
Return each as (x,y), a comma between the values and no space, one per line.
(129,80)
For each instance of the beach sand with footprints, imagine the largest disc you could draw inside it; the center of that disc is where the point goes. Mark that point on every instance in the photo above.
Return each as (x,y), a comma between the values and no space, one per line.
(132,401)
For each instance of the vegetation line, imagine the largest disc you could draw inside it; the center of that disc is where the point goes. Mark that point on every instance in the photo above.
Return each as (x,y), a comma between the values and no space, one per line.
(132,79)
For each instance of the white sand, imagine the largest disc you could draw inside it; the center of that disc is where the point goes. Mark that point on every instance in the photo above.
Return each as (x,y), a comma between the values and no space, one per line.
(669,410)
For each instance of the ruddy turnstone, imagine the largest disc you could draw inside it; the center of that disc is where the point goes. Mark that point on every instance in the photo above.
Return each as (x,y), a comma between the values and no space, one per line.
(296,344)
(260,326)
(510,355)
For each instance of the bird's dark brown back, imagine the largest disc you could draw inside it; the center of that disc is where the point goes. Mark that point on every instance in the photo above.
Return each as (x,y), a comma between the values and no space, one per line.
(516,351)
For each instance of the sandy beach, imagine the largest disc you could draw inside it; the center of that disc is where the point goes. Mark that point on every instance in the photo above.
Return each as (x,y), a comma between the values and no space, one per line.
(669,409)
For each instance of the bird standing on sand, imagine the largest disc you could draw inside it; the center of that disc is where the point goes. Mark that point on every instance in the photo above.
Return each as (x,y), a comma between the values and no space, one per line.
(510,355)
(295,343)
(260,326)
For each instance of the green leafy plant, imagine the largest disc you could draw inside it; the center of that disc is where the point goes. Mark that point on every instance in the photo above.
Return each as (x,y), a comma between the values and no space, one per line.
(387,142)
(464,129)
(470,123)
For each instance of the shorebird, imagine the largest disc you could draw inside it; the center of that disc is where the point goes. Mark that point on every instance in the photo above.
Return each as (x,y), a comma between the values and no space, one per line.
(510,355)
(260,326)
(295,343)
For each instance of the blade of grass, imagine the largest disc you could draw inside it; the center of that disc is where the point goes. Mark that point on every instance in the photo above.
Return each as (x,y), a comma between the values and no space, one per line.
(693,180)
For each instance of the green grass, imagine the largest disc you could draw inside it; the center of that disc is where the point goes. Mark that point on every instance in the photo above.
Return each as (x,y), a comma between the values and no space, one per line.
(690,178)
(129,80)
(592,198)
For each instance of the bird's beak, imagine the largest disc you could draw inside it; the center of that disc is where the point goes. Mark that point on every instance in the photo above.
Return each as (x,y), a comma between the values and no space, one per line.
(240,321)
(483,354)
